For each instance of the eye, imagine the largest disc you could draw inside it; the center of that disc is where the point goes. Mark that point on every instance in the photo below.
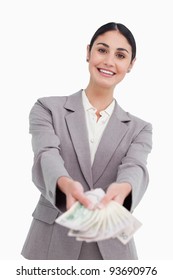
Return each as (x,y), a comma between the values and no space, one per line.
(120,55)
(102,50)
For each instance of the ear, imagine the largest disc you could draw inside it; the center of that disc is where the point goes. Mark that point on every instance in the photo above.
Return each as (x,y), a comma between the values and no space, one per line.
(88,53)
(131,65)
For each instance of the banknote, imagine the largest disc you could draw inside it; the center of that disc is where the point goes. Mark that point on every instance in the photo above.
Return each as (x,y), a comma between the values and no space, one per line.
(78,216)
(112,221)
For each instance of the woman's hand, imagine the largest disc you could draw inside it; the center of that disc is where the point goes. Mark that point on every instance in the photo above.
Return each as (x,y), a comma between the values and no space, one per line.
(117,192)
(74,192)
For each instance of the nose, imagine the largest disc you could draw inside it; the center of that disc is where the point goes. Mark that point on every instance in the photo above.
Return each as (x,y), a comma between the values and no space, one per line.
(109,60)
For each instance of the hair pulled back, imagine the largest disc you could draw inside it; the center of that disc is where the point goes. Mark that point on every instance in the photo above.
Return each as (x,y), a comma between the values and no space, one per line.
(119,27)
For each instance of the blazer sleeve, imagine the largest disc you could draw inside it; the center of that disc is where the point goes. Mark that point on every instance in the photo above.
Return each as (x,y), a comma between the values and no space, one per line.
(133,168)
(48,165)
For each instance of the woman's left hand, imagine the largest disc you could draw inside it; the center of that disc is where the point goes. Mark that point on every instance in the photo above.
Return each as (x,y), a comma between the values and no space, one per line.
(117,192)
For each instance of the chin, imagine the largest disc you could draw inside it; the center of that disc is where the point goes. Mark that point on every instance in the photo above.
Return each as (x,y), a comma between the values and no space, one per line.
(108,86)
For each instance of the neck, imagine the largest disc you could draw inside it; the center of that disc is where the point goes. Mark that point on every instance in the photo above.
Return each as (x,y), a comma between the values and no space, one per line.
(100,98)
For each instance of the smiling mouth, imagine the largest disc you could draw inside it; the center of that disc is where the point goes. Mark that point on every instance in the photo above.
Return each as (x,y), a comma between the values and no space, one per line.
(106,72)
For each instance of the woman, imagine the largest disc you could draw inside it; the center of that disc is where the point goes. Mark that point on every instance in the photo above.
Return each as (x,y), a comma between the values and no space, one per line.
(86,141)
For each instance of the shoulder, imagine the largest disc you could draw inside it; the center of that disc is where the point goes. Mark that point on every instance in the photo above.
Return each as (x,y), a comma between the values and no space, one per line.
(131,119)
(55,102)
(138,121)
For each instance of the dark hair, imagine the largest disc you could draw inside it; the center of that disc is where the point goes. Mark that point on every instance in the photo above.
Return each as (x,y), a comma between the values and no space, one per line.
(122,29)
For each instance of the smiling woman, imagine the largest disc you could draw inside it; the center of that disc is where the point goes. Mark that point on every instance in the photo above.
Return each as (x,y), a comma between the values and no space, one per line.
(85,141)
(111,57)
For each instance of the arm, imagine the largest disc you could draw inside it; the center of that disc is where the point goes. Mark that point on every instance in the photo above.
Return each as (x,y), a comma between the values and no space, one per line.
(132,177)
(48,165)
(49,173)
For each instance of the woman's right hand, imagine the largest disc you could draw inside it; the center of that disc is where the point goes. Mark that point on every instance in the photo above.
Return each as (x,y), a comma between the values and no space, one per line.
(74,192)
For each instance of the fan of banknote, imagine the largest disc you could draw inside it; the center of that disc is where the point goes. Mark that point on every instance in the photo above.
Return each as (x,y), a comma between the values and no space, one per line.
(112,221)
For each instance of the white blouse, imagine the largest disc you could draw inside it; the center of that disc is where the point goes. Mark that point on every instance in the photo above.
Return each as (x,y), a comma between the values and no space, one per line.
(95,128)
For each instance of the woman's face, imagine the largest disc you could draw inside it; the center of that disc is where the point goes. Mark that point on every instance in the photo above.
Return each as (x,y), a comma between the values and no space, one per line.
(109,59)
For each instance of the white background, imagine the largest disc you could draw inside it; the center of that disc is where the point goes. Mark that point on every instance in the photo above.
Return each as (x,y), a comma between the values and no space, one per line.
(43,53)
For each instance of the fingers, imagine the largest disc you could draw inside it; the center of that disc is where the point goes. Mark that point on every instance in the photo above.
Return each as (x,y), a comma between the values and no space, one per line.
(105,200)
(119,199)
(114,192)
(85,201)
(82,198)
(76,193)
(110,195)
(69,201)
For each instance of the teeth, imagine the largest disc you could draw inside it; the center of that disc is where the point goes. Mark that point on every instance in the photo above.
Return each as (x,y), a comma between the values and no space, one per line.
(106,72)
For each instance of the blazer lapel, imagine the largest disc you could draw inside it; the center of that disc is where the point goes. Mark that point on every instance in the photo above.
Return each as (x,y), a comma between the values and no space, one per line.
(113,133)
(78,131)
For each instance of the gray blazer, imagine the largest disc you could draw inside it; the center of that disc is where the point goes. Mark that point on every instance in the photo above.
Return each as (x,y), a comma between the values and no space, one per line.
(61,148)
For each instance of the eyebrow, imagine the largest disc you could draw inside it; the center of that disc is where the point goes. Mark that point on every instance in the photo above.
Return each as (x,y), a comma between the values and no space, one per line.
(118,49)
